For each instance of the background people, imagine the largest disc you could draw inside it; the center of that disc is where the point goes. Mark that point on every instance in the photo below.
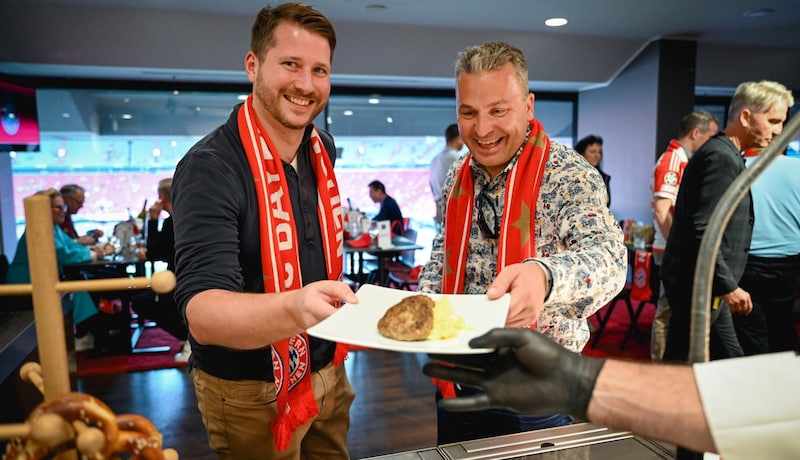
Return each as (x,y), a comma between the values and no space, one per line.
(695,129)
(756,115)
(264,387)
(85,315)
(687,406)
(161,308)
(591,147)
(390,210)
(441,164)
(74,196)
(560,262)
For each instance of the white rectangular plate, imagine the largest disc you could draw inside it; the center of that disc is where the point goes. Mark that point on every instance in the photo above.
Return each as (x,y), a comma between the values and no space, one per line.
(357,324)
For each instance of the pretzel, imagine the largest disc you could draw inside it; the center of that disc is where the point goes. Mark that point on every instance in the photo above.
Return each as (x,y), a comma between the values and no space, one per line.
(139,437)
(78,421)
(57,425)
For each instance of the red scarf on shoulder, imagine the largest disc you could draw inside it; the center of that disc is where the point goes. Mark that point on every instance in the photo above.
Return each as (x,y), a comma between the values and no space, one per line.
(516,241)
(291,358)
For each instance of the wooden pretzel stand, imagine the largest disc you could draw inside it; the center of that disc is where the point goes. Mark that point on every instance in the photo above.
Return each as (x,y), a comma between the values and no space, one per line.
(67,424)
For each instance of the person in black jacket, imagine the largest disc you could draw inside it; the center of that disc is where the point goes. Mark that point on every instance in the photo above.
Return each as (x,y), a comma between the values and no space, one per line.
(161,308)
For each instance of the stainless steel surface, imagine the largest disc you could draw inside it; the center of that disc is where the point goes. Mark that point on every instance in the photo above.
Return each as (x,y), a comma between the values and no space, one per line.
(582,441)
(712,238)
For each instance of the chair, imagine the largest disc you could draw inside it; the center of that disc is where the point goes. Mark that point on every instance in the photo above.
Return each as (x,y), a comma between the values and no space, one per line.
(633,313)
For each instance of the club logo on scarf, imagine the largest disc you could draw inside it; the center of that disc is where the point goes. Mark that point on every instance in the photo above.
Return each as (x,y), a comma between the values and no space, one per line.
(298,363)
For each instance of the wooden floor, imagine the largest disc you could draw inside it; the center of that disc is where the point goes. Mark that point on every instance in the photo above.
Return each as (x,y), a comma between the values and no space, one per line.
(393,411)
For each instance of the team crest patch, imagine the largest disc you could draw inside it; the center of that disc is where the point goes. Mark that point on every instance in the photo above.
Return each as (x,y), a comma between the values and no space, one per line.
(298,363)
(670,178)
(640,277)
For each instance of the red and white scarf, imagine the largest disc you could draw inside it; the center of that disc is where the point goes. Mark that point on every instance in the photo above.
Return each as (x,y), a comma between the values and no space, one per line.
(516,241)
(280,262)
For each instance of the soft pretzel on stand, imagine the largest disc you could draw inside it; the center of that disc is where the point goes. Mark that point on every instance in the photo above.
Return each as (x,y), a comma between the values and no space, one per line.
(82,422)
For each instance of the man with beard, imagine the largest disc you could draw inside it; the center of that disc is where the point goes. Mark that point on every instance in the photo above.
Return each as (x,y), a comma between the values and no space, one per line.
(258,240)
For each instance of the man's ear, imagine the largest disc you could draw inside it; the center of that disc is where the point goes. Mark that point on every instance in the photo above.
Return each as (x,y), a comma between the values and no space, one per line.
(744,117)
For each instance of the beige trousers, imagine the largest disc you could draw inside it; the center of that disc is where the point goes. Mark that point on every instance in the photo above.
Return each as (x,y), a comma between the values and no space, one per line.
(238,416)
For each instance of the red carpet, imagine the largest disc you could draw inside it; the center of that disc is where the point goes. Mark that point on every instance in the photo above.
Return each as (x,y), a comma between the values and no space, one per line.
(151,337)
(611,338)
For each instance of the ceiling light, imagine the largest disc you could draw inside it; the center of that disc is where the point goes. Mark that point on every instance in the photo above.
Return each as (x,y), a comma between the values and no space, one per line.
(389,120)
(757,13)
(347,113)
(374,100)
(555,22)
(65,115)
(126,116)
(242,97)
(175,92)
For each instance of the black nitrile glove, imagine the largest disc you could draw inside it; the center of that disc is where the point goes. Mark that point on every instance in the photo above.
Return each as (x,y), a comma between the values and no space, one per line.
(528,373)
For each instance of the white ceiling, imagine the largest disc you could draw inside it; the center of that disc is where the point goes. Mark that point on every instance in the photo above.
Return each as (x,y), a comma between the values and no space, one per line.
(397,43)
(714,21)
(384,41)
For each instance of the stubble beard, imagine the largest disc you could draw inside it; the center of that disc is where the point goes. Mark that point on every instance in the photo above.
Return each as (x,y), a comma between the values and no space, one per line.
(271,100)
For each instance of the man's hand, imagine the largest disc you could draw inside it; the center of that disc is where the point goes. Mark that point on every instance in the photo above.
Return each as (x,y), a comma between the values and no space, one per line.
(528,373)
(527,284)
(155,210)
(87,240)
(739,301)
(316,301)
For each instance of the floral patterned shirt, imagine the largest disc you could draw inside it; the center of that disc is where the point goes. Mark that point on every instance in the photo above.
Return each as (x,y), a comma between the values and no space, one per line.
(577,239)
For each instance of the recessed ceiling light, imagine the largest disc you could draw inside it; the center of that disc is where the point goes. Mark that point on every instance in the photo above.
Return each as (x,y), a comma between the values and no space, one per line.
(374,100)
(555,22)
(126,116)
(389,120)
(757,13)
(242,97)
(347,113)
(65,115)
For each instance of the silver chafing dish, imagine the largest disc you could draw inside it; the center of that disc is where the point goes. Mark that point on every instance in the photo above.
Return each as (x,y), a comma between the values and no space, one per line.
(580,441)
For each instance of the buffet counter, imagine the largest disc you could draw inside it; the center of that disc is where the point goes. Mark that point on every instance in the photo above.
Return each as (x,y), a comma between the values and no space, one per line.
(580,441)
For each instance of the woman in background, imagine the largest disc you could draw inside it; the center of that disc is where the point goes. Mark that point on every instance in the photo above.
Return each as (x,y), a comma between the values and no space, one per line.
(591,147)
(84,310)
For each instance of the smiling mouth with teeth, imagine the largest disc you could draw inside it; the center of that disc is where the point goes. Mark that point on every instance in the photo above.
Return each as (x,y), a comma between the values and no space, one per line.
(491,143)
(298,100)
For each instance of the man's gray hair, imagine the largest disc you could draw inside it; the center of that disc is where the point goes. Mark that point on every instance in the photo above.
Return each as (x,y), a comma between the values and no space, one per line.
(492,56)
(758,97)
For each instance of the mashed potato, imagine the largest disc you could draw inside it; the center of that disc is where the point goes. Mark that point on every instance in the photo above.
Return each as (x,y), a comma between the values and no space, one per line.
(446,324)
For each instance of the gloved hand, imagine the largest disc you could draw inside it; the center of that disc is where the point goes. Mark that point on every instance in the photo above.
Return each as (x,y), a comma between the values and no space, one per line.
(528,373)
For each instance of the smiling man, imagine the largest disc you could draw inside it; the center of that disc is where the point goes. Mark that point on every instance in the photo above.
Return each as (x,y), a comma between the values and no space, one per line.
(258,242)
(524,215)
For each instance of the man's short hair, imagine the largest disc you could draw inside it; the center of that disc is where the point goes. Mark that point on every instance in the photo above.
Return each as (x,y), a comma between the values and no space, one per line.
(758,97)
(70,190)
(698,119)
(493,56)
(451,133)
(263,32)
(582,144)
(165,188)
(377,185)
